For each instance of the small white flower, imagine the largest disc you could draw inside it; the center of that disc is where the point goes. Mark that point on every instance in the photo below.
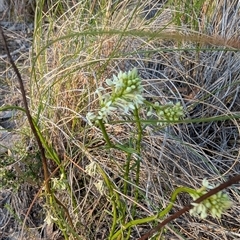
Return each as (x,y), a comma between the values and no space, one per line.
(128,90)
(150,111)
(106,110)
(199,209)
(99,93)
(168,112)
(100,187)
(59,184)
(91,117)
(109,82)
(206,184)
(214,205)
(49,218)
(91,169)
(126,95)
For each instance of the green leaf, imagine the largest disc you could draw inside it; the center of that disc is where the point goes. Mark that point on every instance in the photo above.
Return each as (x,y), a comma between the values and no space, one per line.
(125,149)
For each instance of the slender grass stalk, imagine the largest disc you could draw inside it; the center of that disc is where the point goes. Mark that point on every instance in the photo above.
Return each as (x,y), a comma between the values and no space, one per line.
(105,134)
(113,198)
(159,215)
(138,150)
(126,173)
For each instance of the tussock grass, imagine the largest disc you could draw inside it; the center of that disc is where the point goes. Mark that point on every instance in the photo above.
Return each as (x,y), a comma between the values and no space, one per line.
(73,53)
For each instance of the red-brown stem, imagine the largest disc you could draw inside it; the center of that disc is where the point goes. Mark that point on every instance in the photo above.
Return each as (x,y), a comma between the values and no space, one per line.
(32,126)
(224,185)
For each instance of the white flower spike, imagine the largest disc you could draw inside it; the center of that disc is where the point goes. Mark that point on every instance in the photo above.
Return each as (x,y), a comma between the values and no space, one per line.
(125,96)
(215,205)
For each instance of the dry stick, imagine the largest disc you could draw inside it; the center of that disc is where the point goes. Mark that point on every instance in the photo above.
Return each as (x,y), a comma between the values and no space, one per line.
(230,182)
(29,117)
(37,195)
(30,120)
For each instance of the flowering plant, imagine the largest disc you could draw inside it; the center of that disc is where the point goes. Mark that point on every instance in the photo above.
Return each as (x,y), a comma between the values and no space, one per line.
(214,205)
(126,95)
(167,113)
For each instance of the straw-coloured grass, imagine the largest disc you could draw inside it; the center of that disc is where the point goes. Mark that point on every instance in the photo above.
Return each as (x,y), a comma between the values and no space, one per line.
(92,40)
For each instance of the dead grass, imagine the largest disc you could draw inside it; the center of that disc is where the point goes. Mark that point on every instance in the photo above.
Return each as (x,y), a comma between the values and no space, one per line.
(203,77)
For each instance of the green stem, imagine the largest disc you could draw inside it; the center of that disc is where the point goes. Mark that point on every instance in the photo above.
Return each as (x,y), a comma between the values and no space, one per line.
(157,216)
(138,149)
(114,198)
(105,134)
(126,173)
(139,127)
(125,186)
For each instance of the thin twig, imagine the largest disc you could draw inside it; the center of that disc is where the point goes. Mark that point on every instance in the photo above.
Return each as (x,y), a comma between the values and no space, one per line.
(230,182)
(32,126)
(25,103)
